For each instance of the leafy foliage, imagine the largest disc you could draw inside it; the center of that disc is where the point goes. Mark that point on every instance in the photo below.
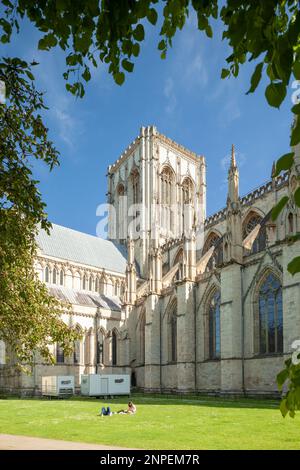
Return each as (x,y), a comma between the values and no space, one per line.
(30,319)
(291,375)
(266,33)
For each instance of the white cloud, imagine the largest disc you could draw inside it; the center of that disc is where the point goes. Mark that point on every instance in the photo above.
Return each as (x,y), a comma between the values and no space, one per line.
(187,69)
(240,160)
(169,94)
(62,104)
(229,113)
(225,163)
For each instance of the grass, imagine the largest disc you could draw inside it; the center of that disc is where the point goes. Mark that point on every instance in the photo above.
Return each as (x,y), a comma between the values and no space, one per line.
(160,423)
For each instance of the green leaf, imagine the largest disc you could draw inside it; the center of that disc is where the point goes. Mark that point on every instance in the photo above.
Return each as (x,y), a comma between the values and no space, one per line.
(296,70)
(225,73)
(30,75)
(275,94)
(278,208)
(86,74)
(139,33)
(136,49)
(127,65)
(284,163)
(162,45)
(209,32)
(152,16)
(294,266)
(282,377)
(48,41)
(295,137)
(119,78)
(297,197)
(296,109)
(256,77)
(283,408)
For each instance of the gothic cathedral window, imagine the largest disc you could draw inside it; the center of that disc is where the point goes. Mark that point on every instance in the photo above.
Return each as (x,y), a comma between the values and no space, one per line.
(60,355)
(214,326)
(142,337)
(173,334)
(61,278)
(249,224)
(270,316)
(114,348)
(166,191)
(76,352)
(187,204)
(217,256)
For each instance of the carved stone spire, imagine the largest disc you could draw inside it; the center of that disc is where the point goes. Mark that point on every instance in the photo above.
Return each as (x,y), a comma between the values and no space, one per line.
(233,180)
(233,160)
(273,170)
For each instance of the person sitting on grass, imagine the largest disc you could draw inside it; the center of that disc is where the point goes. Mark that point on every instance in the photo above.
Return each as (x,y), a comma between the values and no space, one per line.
(106,411)
(131,409)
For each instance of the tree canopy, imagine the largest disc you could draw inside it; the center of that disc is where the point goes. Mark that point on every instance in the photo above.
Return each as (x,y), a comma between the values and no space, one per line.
(30,319)
(265,33)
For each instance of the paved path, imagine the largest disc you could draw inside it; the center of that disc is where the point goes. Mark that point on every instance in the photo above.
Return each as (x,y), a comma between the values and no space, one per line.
(12,442)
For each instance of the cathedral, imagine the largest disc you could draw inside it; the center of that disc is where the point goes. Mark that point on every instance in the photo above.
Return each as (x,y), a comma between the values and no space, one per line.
(182,302)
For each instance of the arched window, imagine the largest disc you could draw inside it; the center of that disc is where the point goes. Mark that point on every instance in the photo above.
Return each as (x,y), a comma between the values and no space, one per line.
(217,256)
(142,337)
(249,224)
(60,354)
(187,204)
(173,334)
(291,223)
(135,186)
(100,347)
(46,274)
(114,344)
(84,282)
(167,191)
(270,316)
(76,352)
(121,190)
(61,277)
(214,326)
(187,191)
(121,212)
(54,276)
(96,284)
(90,283)
(122,288)
(89,338)
(116,289)
(179,259)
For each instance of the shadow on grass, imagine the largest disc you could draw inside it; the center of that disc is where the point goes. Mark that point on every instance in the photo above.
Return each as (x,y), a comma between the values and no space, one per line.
(163,400)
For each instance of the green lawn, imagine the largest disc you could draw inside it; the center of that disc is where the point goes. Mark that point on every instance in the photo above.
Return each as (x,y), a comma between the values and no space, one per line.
(160,423)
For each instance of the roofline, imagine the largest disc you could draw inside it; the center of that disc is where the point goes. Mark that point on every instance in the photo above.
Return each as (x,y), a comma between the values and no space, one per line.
(81,265)
(152,131)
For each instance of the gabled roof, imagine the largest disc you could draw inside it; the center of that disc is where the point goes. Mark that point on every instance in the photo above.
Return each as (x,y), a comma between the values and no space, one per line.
(70,245)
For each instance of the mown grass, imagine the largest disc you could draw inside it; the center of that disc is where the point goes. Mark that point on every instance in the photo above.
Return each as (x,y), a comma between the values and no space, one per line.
(160,422)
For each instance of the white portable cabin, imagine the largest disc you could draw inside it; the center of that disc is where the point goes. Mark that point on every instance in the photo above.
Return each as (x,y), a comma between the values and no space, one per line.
(58,385)
(94,385)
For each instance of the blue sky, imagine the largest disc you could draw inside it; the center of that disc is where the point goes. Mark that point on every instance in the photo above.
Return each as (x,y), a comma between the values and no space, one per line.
(182,95)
